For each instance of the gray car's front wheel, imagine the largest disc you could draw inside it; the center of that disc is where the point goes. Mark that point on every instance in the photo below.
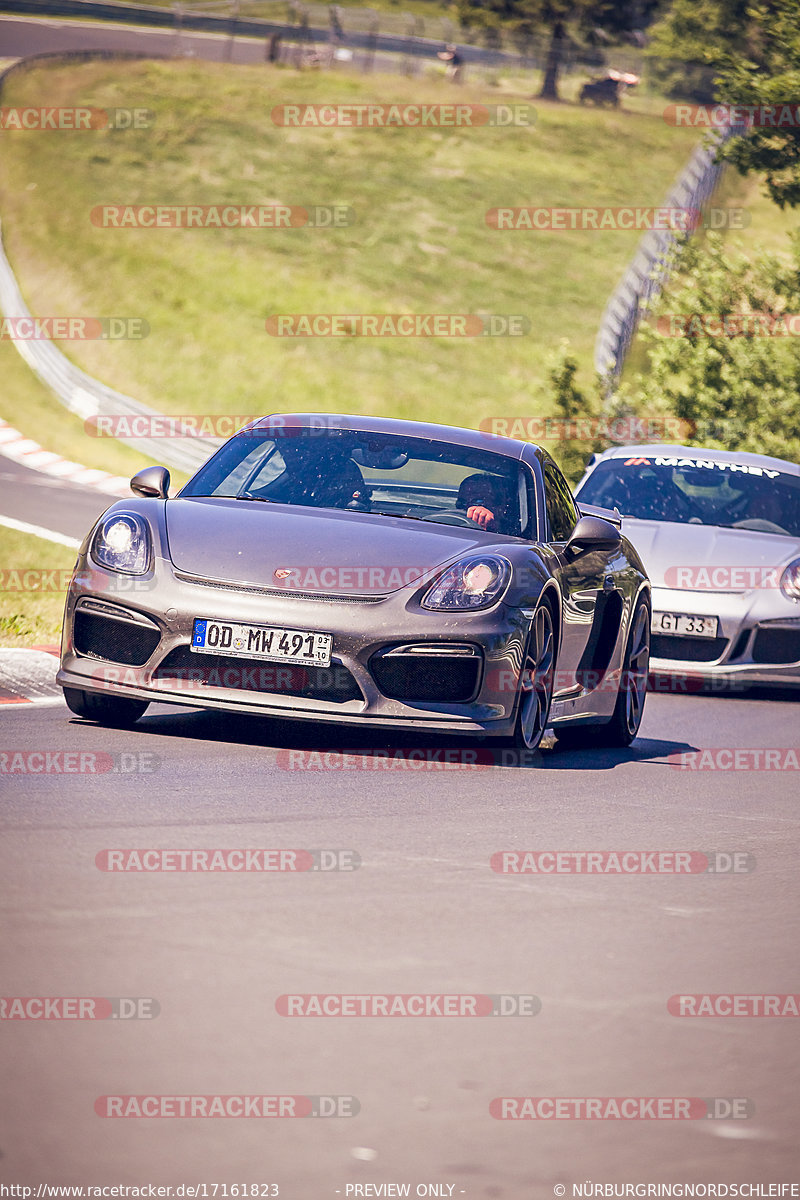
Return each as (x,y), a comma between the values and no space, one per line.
(106,710)
(536,681)
(629,708)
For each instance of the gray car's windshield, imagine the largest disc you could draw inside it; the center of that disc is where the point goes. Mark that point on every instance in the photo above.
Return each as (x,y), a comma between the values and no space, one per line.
(697,491)
(413,478)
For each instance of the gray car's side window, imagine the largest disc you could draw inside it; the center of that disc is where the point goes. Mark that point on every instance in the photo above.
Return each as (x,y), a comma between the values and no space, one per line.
(562,515)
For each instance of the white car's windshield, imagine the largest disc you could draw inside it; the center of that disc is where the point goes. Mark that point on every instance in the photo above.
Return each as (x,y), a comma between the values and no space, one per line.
(697,491)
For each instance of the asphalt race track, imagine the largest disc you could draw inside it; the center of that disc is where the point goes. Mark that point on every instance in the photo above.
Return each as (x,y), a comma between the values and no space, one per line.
(401,900)
(20,36)
(423,913)
(39,499)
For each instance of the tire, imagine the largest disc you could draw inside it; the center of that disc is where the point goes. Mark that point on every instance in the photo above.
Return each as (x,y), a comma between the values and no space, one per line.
(629,709)
(105,710)
(536,681)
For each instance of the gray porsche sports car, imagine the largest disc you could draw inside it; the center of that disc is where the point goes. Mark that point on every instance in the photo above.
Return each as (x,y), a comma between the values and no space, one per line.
(368,571)
(719,533)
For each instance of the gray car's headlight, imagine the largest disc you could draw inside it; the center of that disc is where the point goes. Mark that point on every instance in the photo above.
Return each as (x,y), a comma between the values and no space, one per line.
(474,582)
(790,580)
(122,543)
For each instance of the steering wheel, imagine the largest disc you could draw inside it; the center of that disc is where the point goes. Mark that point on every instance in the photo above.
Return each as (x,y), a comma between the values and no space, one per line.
(688,506)
(449,516)
(759,525)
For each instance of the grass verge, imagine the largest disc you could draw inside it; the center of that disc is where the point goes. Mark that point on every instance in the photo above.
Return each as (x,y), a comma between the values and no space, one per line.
(34,575)
(419,244)
(30,406)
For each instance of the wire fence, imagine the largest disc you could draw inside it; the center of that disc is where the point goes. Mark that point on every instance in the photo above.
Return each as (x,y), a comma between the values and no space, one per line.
(358,33)
(648,272)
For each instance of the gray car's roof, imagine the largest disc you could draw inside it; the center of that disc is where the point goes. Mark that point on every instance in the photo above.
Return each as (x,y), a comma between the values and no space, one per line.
(658,449)
(472,438)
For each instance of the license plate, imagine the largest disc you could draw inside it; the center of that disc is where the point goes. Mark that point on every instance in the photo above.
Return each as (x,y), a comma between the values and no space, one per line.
(685,625)
(261,641)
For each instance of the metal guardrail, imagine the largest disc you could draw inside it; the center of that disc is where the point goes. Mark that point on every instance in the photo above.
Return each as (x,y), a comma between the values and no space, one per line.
(647,274)
(292,24)
(87,397)
(359,28)
(78,392)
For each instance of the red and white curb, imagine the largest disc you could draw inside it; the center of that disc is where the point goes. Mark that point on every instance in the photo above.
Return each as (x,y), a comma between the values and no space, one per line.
(14,444)
(28,676)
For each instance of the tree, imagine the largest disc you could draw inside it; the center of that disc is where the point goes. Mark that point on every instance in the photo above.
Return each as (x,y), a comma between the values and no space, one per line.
(736,385)
(692,41)
(559,20)
(742,53)
(767,76)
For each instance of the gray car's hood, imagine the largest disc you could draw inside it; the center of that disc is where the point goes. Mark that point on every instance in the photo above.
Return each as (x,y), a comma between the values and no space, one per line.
(667,546)
(324,550)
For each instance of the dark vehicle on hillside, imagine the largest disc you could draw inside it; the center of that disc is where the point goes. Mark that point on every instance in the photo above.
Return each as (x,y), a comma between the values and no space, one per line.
(364,571)
(609,90)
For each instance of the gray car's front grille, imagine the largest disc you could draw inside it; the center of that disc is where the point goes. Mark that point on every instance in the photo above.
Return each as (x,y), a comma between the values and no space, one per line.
(285,593)
(190,670)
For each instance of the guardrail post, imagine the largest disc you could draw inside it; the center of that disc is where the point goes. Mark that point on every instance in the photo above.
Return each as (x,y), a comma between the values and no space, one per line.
(177,9)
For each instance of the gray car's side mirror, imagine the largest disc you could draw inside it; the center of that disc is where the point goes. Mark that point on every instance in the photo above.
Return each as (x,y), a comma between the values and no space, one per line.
(592,533)
(151,482)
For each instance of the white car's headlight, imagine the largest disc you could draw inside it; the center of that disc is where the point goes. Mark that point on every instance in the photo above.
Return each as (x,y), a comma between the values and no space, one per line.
(790,580)
(122,543)
(474,582)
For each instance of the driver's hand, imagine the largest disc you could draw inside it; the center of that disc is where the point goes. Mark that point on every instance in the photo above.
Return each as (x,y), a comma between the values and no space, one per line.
(482,516)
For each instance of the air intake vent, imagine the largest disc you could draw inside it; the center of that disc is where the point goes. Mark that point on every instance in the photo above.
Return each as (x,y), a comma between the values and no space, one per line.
(114,639)
(776,645)
(431,679)
(687,649)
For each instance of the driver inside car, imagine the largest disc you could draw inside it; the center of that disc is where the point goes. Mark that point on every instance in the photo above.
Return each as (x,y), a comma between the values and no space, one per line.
(319,473)
(486,502)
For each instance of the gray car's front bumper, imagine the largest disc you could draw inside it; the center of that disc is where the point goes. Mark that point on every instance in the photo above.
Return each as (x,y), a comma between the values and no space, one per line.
(360,628)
